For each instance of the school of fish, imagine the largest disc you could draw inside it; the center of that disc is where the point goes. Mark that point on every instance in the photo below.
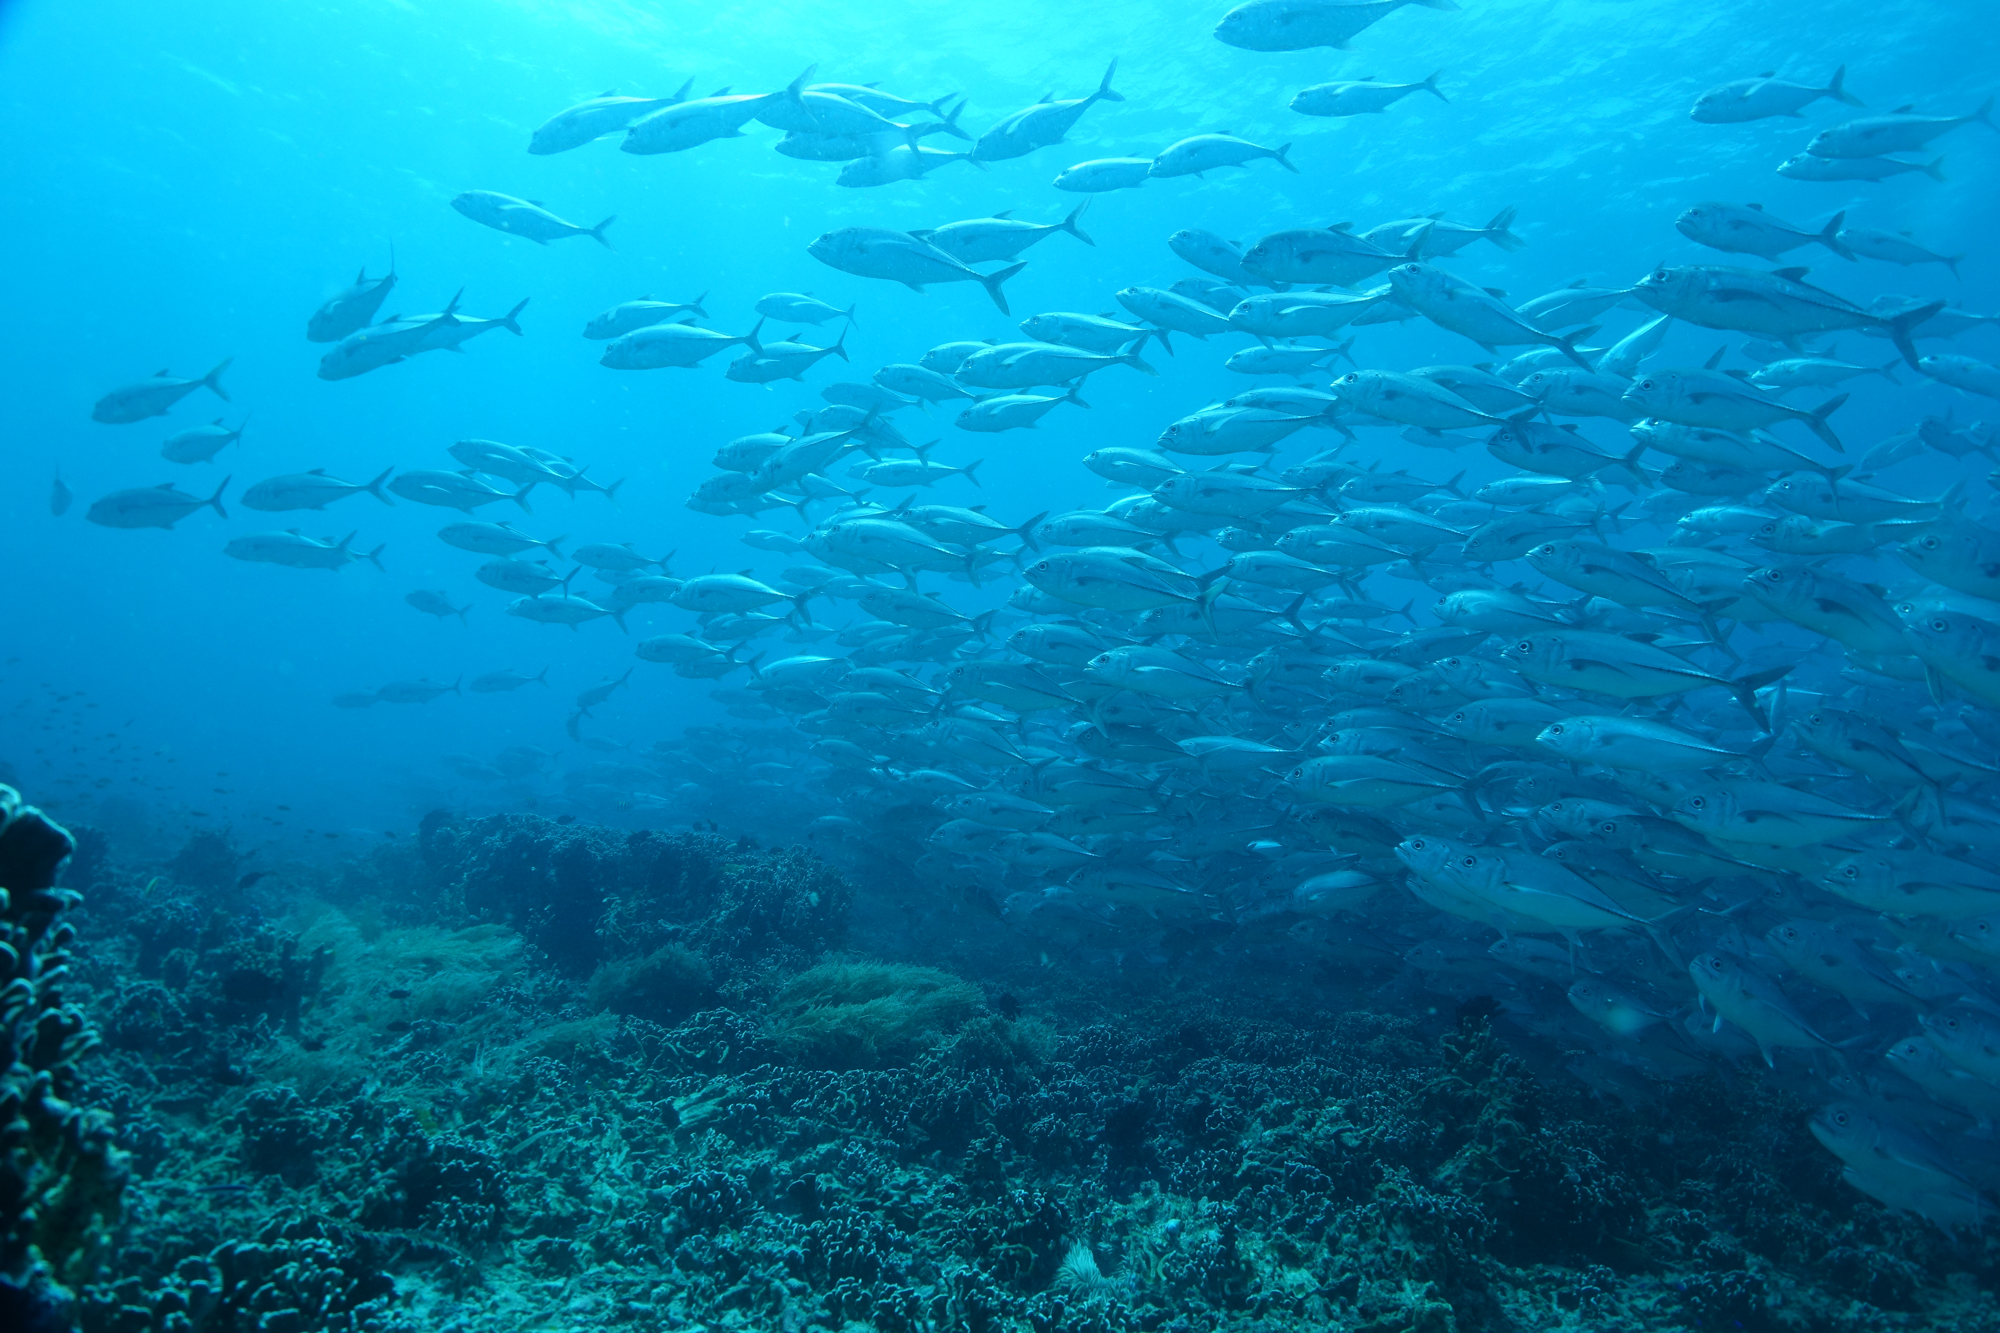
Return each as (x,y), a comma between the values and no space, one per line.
(1679,735)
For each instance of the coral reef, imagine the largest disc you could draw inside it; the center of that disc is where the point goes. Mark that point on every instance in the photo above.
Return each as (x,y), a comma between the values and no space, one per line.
(60,1177)
(522,1074)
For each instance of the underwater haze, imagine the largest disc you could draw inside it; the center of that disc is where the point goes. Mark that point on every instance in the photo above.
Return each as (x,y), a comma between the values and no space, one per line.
(999,667)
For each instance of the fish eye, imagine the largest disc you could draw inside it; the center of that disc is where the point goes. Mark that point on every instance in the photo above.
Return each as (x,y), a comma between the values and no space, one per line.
(1556,729)
(1940,625)
(1698,803)
(1525,645)
(1645,384)
(1469,860)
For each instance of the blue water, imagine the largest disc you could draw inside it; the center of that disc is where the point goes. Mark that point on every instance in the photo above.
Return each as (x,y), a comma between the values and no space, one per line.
(187,183)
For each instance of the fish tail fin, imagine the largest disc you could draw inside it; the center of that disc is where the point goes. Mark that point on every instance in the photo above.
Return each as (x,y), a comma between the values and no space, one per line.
(1132,359)
(1745,689)
(1026,532)
(695,305)
(1836,88)
(597,232)
(1902,326)
(1816,422)
(543,677)
(971,468)
(839,347)
(460,611)
(1072,396)
(374,487)
(848,314)
(1430,86)
(750,339)
(520,497)
(1283,160)
(1934,168)
(215,500)
(1829,236)
(1887,370)
(1567,342)
(665,560)
(948,120)
(991,282)
(1104,92)
(374,557)
(798,85)
(1159,336)
(212,381)
(619,617)
(1068,224)
(1292,616)
(511,320)
(1985,114)
(1665,943)
(554,545)
(1500,229)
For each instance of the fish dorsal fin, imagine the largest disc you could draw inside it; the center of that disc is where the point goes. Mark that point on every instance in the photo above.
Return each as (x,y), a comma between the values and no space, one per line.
(362,276)
(1003,215)
(1904,110)
(1435,217)
(216,422)
(1743,375)
(316,472)
(536,202)
(162,373)
(1499,292)
(723,91)
(1716,359)
(1758,207)
(1578,283)
(609,92)
(293,531)
(1341,226)
(1768,74)
(744,573)
(1571,427)
(1790,274)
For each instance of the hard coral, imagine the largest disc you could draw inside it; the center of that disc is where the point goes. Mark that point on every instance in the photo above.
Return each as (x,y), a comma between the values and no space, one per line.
(60,1177)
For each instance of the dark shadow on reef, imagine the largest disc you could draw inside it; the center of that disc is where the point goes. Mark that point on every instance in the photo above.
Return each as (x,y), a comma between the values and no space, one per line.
(523,1075)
